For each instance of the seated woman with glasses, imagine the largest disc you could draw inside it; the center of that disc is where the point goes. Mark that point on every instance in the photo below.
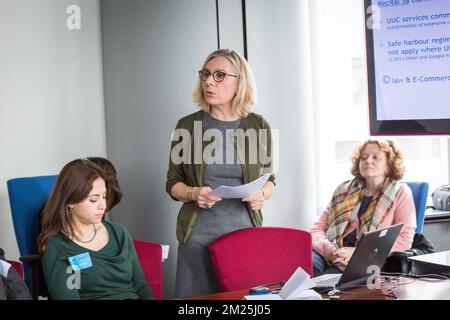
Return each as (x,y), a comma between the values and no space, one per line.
(84,257)
(212,157)
(374,199)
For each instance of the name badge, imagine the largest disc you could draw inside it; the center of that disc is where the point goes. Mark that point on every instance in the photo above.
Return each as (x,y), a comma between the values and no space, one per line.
(80,261)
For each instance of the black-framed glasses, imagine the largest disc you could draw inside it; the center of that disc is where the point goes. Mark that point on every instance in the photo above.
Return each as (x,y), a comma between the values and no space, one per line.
(218,76)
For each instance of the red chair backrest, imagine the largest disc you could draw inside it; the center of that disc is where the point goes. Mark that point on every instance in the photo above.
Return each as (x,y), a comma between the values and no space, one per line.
(18,266)
(150,257)
(260,255)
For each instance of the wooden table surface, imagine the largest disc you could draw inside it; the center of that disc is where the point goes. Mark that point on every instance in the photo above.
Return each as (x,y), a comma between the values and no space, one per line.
(400,289)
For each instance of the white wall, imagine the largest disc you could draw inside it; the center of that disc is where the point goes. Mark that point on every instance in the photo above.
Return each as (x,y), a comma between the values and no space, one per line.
(230,25)
(152,53)
(51,93)
(279,53)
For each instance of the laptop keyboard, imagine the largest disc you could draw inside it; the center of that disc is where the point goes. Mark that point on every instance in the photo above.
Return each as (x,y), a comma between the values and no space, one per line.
(326,280)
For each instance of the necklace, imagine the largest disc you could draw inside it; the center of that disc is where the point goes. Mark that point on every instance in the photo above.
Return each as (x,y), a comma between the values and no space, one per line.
(93,236)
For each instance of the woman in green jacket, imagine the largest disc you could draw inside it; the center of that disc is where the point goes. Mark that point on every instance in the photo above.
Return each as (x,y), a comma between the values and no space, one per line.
(222,144)
(84,257)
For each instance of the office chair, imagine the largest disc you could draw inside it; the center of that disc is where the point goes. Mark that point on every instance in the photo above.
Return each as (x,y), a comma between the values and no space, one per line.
(27,198)
(17,266)
(150,258)
(420,194)
(260,255)
(398,261)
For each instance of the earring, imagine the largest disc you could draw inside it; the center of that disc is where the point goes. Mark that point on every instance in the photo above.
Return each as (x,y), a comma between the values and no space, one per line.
(70,210)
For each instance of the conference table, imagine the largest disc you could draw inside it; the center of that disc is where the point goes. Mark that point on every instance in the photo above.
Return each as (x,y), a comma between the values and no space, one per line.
(402,288)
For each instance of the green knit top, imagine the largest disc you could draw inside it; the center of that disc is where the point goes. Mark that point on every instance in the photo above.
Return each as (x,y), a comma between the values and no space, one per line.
(192,173)
(115,273)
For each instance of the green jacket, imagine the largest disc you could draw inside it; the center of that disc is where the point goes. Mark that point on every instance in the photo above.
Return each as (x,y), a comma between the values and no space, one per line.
(191,172)
(115,273)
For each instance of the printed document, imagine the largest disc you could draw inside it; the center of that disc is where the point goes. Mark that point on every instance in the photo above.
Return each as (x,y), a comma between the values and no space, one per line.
(242,191)
(298,287)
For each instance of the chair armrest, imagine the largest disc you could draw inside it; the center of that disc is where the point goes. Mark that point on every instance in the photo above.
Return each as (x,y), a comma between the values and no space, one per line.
(402,254)
(398,262)
(30,259)
(36,281)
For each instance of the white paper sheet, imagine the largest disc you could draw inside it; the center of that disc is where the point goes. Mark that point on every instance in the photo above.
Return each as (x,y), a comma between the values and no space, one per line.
(298,287)
(165,251)
(241,191)
(297,283)
(269,296)
(4,268)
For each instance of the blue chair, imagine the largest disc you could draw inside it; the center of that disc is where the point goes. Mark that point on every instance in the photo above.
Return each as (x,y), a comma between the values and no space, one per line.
(27,198)
(420,194)
(398,261)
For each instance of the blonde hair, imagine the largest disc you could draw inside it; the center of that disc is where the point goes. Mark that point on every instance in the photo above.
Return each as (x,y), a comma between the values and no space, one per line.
(246,93)
(393,154)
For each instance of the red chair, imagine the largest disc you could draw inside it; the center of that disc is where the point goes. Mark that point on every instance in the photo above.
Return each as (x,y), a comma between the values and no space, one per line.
(261,255)
(150,257)
(18,266)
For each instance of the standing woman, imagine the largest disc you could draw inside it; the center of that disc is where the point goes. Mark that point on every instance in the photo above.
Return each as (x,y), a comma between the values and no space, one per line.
(224,92)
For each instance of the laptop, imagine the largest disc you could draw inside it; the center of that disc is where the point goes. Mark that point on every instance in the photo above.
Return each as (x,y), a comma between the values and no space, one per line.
(372,250)
(437,263)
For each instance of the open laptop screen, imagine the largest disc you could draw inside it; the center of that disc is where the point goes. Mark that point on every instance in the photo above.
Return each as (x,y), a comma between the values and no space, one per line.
(371,252)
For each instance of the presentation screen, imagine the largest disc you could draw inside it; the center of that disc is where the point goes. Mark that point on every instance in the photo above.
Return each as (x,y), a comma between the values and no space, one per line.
(408,62)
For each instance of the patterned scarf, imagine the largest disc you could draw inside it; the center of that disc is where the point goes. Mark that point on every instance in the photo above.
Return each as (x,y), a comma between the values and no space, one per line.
(345,205)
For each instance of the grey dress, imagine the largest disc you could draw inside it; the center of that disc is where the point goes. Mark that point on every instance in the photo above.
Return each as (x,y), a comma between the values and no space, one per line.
(195,275)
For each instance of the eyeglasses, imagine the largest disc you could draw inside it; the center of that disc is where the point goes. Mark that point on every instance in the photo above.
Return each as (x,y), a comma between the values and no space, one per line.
(218,76)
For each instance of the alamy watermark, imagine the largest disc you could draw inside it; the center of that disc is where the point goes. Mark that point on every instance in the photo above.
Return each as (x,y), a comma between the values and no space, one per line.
(373,282)
(73,21)
(189,149)
(74,280)
(374,20)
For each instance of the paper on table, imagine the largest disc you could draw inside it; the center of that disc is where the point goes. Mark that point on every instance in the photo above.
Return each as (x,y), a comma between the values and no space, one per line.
(269,296)
(241,191)
(306,295)
(298,287)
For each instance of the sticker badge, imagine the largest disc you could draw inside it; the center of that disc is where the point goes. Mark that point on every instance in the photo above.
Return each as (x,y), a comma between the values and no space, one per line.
(383,233)
(80,261)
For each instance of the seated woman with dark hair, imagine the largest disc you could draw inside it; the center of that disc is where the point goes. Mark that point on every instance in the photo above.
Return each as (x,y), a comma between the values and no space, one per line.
(114,193)
(374,199)
(84,257)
